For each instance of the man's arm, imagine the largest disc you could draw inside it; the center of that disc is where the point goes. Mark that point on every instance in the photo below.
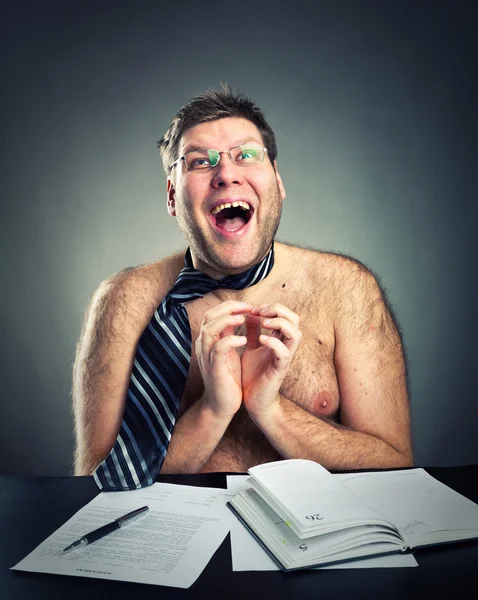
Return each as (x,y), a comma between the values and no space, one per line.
(374,413)
(102,371)
(195,436)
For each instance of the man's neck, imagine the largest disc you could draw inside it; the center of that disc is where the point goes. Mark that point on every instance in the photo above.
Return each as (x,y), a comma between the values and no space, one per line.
(217,273)
(260,291)
(246,295)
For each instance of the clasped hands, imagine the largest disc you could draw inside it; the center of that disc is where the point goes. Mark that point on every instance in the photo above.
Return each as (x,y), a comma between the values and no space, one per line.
(254,378)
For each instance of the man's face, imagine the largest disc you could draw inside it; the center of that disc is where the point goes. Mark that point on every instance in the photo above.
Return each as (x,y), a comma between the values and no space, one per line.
(232,240)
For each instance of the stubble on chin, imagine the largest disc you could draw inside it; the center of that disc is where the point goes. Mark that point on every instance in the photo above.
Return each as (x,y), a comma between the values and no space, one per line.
(204,246)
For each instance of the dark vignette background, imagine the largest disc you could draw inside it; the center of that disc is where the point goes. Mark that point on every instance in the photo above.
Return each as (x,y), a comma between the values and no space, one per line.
(374,106)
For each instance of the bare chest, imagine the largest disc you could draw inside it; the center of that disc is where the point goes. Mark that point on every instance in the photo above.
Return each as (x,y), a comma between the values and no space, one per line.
(311,382)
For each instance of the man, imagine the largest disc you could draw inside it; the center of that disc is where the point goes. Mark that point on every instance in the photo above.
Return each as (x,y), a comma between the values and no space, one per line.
(305,363)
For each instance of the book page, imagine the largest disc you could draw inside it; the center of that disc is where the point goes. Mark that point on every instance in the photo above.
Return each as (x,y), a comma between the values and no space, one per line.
(309,498)
(416,503)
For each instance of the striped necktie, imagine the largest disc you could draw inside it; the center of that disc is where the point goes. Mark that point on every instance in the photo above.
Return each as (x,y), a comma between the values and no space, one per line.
(158,378)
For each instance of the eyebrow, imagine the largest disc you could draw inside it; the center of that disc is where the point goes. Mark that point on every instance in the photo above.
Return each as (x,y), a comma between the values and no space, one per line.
(194,148)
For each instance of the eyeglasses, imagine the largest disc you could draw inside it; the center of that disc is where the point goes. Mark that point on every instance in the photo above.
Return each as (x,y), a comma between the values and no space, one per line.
(245,155)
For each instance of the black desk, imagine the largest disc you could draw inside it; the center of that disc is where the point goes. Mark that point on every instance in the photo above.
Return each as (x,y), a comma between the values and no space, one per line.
(34,507)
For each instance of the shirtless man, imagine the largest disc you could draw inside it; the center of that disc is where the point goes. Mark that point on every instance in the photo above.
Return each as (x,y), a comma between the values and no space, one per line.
(325,381)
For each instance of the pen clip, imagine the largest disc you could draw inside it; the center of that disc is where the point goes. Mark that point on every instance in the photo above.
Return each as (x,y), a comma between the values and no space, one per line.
(132,515)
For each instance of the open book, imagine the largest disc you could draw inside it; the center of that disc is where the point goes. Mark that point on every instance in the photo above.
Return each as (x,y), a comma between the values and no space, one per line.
(304,516)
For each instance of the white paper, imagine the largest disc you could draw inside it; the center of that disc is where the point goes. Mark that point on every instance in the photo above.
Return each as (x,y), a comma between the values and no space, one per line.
(170,544)
(416,503)
(248,555)
(296,501)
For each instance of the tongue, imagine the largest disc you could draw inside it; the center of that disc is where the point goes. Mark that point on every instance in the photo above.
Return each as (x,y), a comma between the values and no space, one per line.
(231,224)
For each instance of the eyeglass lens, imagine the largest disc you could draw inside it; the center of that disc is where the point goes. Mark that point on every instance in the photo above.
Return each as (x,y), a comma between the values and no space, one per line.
(245,154)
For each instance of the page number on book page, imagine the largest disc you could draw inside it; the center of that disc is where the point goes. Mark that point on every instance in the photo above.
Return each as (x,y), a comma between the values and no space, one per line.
(316,517)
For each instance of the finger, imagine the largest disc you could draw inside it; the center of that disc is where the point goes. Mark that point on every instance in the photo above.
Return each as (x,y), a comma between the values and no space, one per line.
(282,328)
(226,308)
(253,331)
(220,349)
(218,328)
(282,355)
(227,331)
(278,310)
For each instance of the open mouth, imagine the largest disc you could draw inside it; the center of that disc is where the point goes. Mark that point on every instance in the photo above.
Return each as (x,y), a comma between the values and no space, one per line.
(232,216)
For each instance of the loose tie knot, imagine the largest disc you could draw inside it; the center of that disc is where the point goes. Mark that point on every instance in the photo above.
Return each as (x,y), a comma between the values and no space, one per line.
(192,283)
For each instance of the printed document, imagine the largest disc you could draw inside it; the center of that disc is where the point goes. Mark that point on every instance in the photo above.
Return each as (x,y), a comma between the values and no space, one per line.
(170,544)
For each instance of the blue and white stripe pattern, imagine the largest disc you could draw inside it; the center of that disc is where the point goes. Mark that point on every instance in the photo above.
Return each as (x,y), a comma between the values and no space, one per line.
(158,379)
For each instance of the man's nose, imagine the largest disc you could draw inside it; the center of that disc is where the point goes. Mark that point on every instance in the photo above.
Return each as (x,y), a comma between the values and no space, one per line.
(226,172)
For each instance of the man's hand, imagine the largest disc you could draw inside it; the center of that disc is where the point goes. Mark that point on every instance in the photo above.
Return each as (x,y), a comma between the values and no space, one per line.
(267,358)
(219,361)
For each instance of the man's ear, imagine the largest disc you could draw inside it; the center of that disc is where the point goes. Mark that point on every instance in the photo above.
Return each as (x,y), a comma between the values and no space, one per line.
(171,192)
(279,182)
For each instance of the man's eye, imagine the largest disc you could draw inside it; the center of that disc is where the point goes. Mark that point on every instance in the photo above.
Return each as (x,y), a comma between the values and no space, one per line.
(199,162)
(246,154)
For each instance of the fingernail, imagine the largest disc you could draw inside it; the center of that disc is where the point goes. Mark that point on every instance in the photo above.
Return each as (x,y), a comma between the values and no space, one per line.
(266,321)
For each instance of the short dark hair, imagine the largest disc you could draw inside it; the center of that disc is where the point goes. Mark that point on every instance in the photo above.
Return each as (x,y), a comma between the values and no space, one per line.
(210,106)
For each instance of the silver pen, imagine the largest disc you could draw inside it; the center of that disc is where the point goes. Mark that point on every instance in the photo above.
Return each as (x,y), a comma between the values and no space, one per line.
(97,534)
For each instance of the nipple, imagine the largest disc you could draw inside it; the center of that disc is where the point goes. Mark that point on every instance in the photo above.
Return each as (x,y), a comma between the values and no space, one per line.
(321,401)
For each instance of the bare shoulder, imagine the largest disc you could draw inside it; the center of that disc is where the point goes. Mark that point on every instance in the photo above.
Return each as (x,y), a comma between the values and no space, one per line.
(117,314)
(362,306)
(326,269)
(348,286)
(155,277)
(332,266)
(130,296)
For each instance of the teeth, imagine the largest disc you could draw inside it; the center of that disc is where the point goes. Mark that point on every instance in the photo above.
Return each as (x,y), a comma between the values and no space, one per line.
(239,204)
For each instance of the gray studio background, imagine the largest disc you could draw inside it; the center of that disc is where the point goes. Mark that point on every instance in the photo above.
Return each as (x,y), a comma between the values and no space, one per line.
(374,107)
